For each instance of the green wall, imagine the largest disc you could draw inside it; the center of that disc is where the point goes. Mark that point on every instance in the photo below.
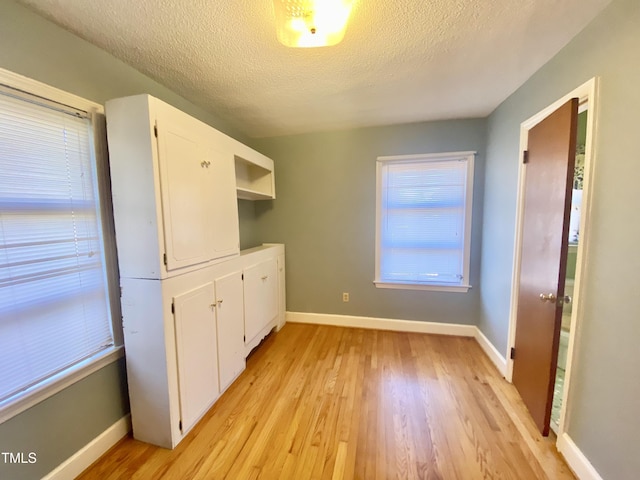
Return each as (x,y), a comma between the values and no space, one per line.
(64,423)
(325,214)
(29,45)
(246,216)
(603,401)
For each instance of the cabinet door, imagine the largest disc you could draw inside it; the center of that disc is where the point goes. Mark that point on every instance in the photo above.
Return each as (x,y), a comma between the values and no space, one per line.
(260,297)
(185,178)
(229,306)
(224,204)
(197,358)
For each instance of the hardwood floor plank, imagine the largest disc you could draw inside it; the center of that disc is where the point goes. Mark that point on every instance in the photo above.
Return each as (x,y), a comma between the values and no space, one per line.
(320,402)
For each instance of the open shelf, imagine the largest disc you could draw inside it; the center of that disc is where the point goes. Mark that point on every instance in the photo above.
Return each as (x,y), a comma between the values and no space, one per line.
(254,181)
(247,194)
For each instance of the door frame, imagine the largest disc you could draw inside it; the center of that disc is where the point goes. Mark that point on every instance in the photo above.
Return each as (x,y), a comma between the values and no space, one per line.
(588,95)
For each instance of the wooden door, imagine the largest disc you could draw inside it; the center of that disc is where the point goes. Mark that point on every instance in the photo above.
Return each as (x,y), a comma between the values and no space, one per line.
(230,321)
(547,203)
(196,349)
(185,185)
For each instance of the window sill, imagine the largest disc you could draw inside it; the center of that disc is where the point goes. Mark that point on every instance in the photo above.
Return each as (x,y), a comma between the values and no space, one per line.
(22,401)
(422,286)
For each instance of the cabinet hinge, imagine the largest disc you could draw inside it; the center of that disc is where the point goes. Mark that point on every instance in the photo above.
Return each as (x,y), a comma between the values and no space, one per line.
(180,425)
(243,276)
(244,337)
(164,258)
(513,353)
(173,308)
(155,130)
(525,156)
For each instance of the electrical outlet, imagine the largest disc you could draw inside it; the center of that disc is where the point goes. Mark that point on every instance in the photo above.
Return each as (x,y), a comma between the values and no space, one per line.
(345,297)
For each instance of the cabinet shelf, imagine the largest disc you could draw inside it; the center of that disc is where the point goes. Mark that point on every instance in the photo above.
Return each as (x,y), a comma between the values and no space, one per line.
(254,178)
(247,194)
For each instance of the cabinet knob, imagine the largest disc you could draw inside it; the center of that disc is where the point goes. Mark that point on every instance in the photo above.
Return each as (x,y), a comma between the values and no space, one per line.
(213,305)
(219,302)
(265,277)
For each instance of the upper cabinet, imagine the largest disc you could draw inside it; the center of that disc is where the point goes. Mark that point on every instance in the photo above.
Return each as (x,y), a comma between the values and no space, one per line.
(175,184)
(190,171)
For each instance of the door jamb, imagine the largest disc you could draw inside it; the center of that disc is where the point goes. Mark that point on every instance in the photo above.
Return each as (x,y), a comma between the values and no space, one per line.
(587,93)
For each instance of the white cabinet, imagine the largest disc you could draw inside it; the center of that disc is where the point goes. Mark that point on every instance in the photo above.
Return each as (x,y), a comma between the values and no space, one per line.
(224,217)
(185,337)
(261,297)
(230,322)
(197,352)
(185,182)
(173,188)
(184,300)
(264,292)
(209,334)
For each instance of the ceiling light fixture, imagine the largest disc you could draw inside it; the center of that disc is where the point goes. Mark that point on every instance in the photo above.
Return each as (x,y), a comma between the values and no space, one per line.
(311,23)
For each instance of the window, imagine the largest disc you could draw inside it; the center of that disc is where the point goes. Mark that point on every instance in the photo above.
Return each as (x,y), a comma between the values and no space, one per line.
(54,302)
(423,221)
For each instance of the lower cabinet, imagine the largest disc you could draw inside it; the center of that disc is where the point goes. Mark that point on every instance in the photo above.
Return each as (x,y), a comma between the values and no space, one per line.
(197,352)
(185,338)
(261,299)
(229,313)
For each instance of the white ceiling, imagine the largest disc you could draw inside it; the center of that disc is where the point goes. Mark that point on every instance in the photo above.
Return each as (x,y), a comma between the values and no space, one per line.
(400,61)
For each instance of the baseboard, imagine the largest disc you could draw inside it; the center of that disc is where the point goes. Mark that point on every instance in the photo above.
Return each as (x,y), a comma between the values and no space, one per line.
(492,352)
(404,326)
(83,458)
(576,459)
(383,324)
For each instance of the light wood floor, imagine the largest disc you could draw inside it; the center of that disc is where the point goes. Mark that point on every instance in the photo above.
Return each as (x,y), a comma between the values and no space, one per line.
(322,402)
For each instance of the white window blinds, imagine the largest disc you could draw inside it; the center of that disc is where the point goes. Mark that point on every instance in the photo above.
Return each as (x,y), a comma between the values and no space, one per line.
(424,218)
(53,298)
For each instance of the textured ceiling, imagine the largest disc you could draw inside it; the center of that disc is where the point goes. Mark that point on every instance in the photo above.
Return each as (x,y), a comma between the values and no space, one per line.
(400,61)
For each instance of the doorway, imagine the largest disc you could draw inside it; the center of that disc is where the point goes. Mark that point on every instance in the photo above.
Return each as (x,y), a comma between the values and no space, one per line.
(587,97)
(569,281)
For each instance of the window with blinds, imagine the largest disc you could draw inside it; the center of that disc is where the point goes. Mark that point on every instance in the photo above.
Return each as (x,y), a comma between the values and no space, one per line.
(54,309)
(424,221)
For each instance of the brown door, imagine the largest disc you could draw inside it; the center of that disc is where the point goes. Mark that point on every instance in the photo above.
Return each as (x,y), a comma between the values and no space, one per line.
(547,203)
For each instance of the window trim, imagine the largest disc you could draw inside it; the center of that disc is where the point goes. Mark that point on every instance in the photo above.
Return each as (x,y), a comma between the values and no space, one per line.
(26,399)
(381,162)
(58,382)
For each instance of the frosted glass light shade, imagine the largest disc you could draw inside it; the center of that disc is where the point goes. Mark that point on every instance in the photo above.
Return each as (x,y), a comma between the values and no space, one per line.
(311,23)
